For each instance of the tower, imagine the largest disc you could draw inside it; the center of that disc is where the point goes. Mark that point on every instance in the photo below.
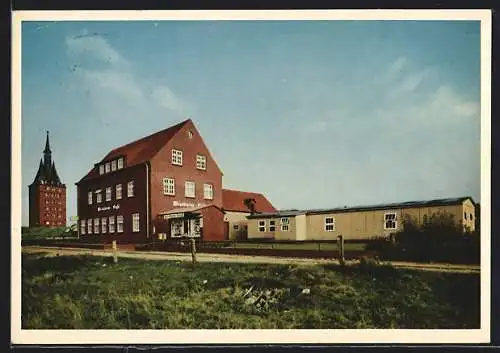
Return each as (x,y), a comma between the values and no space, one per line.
(47,194)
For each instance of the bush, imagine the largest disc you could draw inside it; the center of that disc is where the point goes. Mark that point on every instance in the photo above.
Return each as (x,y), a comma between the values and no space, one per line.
(438,239)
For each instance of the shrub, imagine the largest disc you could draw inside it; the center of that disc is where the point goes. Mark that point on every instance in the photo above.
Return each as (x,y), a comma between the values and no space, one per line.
(438,238)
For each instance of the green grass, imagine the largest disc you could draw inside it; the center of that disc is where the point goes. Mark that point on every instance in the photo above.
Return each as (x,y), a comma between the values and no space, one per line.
(300,246)
(92,293)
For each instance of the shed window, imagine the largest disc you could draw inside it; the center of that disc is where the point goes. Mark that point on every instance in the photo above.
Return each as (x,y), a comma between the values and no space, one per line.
(329,224)
(284,224)
(262,226)
(390,221)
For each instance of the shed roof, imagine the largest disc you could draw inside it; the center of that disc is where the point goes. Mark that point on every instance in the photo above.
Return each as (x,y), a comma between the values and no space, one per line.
(384,206)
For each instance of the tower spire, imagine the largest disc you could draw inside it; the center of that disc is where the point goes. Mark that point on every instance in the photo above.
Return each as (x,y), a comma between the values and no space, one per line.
(47,144)
(47,155)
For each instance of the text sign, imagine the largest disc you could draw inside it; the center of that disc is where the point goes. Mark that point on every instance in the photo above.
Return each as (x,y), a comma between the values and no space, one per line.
(174,215)
(187,204)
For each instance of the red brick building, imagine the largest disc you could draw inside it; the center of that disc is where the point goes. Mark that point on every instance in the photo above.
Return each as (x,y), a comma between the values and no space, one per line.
(131,191)
(47,194)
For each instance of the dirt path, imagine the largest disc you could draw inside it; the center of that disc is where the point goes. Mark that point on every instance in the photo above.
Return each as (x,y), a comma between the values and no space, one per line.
(201,257)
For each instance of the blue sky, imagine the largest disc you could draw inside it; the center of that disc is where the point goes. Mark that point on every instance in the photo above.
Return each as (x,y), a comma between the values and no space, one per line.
(310,113)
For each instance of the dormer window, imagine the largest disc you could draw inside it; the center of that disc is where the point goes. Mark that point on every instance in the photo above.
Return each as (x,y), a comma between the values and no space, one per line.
(176,157)
(120,163)
(108,167)
(190,134)
(101,169)
(113,165)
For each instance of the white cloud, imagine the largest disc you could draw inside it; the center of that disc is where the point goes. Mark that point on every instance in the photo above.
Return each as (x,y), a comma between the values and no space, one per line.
(117,77)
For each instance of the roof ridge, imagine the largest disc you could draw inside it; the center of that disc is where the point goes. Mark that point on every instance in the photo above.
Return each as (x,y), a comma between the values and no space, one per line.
(243,192)
(170,128)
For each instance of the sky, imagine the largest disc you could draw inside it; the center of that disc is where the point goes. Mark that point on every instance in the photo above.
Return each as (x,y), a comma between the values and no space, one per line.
(313,114)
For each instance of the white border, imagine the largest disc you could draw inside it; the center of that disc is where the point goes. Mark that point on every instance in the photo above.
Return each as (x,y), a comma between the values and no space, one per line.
(482,335)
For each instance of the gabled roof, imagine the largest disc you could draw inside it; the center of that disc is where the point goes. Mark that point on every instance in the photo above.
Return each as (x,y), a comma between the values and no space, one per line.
(139,151)
(233,200)
(278,214)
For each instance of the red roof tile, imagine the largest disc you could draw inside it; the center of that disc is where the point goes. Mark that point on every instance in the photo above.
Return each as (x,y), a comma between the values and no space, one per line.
(232,200)
(141,150)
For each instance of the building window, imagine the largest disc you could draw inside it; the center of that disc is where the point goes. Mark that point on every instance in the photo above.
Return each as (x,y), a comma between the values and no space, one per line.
(90,197)
(189,188)
(96,225)
(272,226)
(135,222)
(236,227)
(470,216)
(104,225)
(108,193)
(101,169)
(98,196)
(208,191)
(120,163)
(168,186)
(465,215)
(390,221)
(111,224)
(262,226)
(82,226)
(89,226)
(176,157)
(108,167)
(118,191)
(284,224)
(130,189)
(329,224)
(201,162)
(119,224)
(190,134)
(113,165)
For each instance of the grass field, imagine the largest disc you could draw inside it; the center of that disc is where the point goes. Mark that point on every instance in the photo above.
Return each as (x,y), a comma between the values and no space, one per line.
(92,293)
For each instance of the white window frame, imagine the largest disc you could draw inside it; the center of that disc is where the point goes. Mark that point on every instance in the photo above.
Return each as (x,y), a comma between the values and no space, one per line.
(101,169)
(193,189)
(113,165)
(120,163)
(111,224)
(96,226)
(119,224)
(395,220)
(262,226)
(208,191)
(329,222)
(89,226)
(135,222)
(108,193)
(285,224)
(272,225)
(201,162)
(104,225)
(90,197)
(118,191)
(98,196)
(130,189)
(169,186)
(176,157)
(108,167)
(83,226)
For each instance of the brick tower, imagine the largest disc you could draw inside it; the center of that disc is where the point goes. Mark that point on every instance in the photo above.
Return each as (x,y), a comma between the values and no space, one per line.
(47,194)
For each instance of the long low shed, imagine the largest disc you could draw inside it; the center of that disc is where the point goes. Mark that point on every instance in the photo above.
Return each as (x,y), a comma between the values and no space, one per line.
(361,222)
